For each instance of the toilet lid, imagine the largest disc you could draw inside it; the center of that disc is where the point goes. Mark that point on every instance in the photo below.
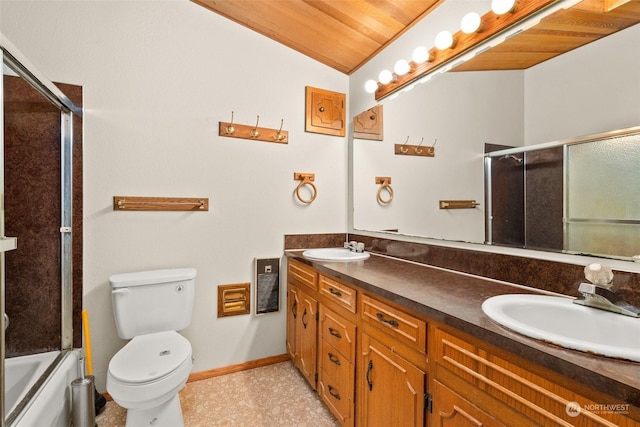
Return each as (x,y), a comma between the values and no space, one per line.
(149,357)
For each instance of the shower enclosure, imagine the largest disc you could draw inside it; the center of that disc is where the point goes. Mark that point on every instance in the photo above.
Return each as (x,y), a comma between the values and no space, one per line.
(41,207)
(578,196)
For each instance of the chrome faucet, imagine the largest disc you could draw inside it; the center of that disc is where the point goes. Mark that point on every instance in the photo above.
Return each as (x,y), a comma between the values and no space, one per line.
(604,299)
(599,295)
(354,246)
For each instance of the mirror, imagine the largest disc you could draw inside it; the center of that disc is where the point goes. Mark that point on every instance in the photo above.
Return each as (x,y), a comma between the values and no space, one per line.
(577,196)
(589,90)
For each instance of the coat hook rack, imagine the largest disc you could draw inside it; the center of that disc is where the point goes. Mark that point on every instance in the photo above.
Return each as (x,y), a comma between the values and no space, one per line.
(385,184)
(231,130)
(305,179)
(415,150)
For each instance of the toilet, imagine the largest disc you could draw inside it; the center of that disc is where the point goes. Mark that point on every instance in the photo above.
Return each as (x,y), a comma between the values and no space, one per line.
(146,375)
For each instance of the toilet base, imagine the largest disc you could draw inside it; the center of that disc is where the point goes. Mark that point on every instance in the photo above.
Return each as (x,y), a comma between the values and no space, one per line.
(169,414)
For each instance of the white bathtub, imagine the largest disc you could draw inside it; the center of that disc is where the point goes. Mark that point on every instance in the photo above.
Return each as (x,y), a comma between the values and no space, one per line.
(48,405)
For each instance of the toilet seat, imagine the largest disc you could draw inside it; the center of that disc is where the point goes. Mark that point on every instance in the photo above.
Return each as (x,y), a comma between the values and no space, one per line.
(149,370)
(149,357)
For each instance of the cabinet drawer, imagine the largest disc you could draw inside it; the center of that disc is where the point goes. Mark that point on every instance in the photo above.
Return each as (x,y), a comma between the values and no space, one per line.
(302,275)
(341,405)
(404,327)
(335,366)
(339,332)
(336,384)
(338,292)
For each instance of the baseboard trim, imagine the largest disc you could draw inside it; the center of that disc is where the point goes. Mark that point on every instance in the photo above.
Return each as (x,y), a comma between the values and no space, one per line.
(203,375)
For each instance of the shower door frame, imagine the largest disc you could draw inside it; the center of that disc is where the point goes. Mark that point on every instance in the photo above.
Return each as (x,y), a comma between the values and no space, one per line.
(67,108)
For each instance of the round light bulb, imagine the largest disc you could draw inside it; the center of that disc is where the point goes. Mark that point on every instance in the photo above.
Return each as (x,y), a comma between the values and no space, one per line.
(444,40)
(370,86)
(420,54)
(500,7)
(470,23)
(385,77)
(402,67)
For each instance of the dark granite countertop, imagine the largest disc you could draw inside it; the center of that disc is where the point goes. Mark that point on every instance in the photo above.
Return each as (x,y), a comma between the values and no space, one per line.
(455,299)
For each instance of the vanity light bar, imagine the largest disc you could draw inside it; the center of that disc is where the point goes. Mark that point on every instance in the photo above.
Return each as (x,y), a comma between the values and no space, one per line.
(525,14)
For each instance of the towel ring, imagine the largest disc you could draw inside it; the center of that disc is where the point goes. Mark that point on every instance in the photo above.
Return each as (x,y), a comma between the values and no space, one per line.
(305,179)
(385,184)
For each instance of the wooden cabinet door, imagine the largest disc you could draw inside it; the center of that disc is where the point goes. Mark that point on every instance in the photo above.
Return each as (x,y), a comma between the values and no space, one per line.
(293,305)
(392,390)
(307,337)
(325,111)
(452,410)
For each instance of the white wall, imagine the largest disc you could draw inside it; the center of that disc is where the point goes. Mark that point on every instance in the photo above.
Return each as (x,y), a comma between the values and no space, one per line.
(462,111)
(157,78)
(593,89)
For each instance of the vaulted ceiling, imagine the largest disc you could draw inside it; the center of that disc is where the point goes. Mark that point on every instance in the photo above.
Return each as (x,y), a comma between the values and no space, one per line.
(342,34)
(345,34)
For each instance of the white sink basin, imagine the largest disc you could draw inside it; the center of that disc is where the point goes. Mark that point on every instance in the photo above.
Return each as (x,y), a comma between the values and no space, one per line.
(559,321)
(334,254)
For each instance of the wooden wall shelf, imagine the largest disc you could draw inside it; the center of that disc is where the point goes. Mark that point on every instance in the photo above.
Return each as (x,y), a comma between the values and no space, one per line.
(134,203)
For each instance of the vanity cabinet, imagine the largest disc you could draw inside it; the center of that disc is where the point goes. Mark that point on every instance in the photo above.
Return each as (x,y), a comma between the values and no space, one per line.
(302,320)
(472,379)
(381,371)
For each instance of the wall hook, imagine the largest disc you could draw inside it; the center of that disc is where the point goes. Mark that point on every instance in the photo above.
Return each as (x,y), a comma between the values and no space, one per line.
(230,129)
(417,148)
(254,132)
(385,184)
(403,148)
(279,135)
(305,179)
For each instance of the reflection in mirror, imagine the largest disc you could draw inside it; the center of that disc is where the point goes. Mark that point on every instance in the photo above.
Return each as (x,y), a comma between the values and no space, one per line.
(579,196)
(589,90)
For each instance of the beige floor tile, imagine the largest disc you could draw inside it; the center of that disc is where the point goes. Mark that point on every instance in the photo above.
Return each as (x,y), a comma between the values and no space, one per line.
(274,395)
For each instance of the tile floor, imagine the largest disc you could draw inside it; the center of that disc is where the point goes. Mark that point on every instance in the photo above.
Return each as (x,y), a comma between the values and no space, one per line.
(275,395)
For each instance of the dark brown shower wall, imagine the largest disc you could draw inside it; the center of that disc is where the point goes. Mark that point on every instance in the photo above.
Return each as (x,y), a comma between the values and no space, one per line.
(33,215)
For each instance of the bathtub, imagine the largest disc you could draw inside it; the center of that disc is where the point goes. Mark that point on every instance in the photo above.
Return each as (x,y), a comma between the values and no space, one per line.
(37,389)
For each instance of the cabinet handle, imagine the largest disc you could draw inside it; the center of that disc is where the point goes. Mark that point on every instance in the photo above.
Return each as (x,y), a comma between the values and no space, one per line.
(335,333)
(333,393)
(294,309)
(368,376)
(304,316)
(335,293)
(392,322)
(334,359)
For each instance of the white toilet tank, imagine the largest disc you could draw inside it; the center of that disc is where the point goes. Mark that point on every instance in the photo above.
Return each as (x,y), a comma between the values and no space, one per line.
(146,302)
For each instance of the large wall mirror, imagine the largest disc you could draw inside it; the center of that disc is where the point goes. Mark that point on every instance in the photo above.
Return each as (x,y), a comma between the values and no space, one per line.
(590,90)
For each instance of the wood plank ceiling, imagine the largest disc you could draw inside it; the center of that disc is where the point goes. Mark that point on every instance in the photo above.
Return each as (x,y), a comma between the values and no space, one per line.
(560,32)
(342,34)
(345,34)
